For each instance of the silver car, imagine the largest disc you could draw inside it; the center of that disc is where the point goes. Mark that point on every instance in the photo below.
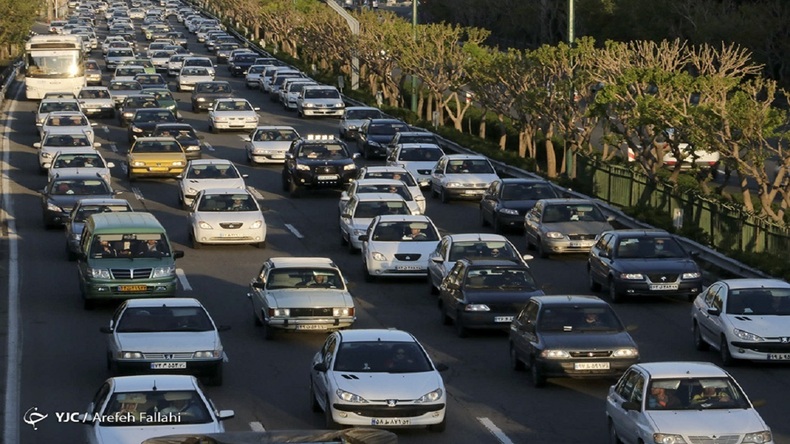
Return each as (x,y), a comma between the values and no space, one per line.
(556,226)
(232,114)
(97,100)
(87,161)
(201,174)
(269,143)
(165,335)
(226,216)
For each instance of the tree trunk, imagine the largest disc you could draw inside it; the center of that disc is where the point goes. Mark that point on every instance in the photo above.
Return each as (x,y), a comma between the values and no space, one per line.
(551,157)
(481,129)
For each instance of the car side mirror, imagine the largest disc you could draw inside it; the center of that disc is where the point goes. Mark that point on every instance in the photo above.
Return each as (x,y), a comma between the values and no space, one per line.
(223,327)
(177,254)
(246,139)
(527,257)
(603,253)
(258,284)
(694,254)
(320,367)
(631,405)
(97,145)
(363,237)
(437,259)
(105,329)
(225,414)
(356,156)
(610,218)
(289,156)
(713,311)
(346,215)
(110,165)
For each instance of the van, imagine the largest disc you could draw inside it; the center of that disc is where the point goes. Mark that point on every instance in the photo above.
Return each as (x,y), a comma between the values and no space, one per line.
(123,256)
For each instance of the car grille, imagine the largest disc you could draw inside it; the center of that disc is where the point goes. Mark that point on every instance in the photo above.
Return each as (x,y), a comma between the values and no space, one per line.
(307,312)
(726,439)
(581,236)
(661,278)
(167,356)
(131,273)
(406,257)
(231,225)
(326,169)
(424,172)
(385,411)
(474,185)
(591,354)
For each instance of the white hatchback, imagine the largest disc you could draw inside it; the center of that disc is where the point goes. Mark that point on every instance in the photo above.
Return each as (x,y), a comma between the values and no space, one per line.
(398,246)
(359,212)
(226,216)
(207,173)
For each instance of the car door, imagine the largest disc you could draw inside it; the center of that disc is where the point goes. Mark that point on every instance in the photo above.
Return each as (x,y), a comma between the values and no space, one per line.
(192,210)
(451,291)
(113,344)
(488,203)
(600,258)
(532,223)
(524,333)
(710,325)
(95,409)
(630,387)
(437,175)
(321,379)
(346,195)
(257,294)
(437,262)
(347,218)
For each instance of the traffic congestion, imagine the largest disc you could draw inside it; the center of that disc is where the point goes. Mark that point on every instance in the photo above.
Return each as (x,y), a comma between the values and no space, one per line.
(205,240)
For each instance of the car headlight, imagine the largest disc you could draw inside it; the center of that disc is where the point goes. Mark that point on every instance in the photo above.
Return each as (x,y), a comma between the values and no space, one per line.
(508,211)
(220,119)
(350,397)
(344,311)
(192,148)
(99,273)
(201,99)
(694,275)
(208,354)
(746,336)
(52,207)
(302,167)
(127,115)
(191,191)
(477,307)
(432,396)
(453,184)
(280,312)
(359,232)
(555,354)
(554,235)
(378,256)
(758,437)
(308,105)
(160,272)
(129,355)
(631,276)
(256,224)
(352,127)
(138,163)
(628,352)
(339,105)
(205,225)
(349,167)
(667,438)
(136,129)
(178,163)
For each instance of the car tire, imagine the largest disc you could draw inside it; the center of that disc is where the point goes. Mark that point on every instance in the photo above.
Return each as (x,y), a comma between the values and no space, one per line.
(216,377)
(443,318)
(440,427)
(314,405)
(483,221)
(613,438)
(88,304)
(213,129)
(329,422)
(515,363)
(530,245)
(432,288)
(724,351)
(70,255)
(268,331)
(445,198)
(351,248)
(195,244)
(538,378)
(699,343)
(541,250)
(256,319)
(594,286)
(343,241)
(293,189)
(111,368)
(368,277)
(434,193)
(460,328)
(615,296)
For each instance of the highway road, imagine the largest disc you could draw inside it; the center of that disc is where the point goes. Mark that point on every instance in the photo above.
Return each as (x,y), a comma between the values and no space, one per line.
(266,382)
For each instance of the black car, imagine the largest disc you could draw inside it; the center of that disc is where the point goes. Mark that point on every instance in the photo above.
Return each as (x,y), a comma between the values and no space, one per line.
(63,192)
(318,163)
(485,294)
(375,134)
(570,336)
(223,51)
(241,63)
(132,103)
(186,136)
(206,93)
(642,263)
(144,121)
(506,201)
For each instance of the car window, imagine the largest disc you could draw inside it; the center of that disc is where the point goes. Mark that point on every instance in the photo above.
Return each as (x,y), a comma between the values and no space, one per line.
(579,319)
(322,152)
(482,249)
(396,175)
(695,394)
(371,209)
(284,278)
(403,231)
(381,357)
(420,154)
(469,166)
(361,114)
(649,247)
(625,386)
(500,278)
(758,301)
(520,191)
(164,319)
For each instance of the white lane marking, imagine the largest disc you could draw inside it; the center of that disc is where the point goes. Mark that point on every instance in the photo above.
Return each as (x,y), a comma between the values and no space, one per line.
(254,191)
(137,193)
(498,434)
(257,426)
(293,230)
(208,146)
(13,345)
(106,129)
(182,277)
(114,148)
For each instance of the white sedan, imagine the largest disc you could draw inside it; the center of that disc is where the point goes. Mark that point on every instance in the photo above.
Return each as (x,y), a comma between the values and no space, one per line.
(269,143)
(131,409)
(232,114)
(380,378)
(226,216)
(52,143)
(190,75)
(86,161)
(207,173)
(416,203)
(360,211)
(396,246)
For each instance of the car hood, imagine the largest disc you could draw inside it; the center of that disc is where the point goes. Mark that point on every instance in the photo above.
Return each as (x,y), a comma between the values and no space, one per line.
(706,422)
(311,298)
(136,435)
(470,178)
(587,340)
(278,145)
(521,205)
(387,385)
(762,325)
(653,265)
(158,157)
(176,341)
(488,296)
(202,184)
(195,78)
(577,227)
(83,171)
(216,217)
(147,125)
(424,248)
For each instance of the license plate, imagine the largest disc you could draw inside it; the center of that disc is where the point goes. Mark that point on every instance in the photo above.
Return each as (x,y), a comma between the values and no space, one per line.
(158,169)
(133,288)
(591,366)
(408,268)
(663,286)
(503,318)
(328,177)
(473,192)
(580,244)
(278,156)
(168,365)
(779,356)
(390,421)
(310,327)
(230,235)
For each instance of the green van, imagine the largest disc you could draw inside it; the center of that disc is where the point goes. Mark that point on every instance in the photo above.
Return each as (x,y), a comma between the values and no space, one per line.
(123,256)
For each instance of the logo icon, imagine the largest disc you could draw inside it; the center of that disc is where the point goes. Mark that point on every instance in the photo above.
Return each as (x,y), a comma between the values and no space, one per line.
(33,417)
(392,402)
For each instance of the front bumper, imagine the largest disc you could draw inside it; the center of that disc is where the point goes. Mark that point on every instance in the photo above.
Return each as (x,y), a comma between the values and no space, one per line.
(489,320)
(310,179)
(235,125)
(643,288)
(558,246)
(382,415)
(466,193)
(114,291)
(770,351)
(272,156)
(163,171)
(567,368)
(235,236)
(334,112)
(53,218)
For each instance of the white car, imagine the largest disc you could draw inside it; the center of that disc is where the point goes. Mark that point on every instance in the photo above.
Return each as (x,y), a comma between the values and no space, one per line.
(301,294)
(54,142)
(461,176)
(319,100)
(190,75)
(744,319)
(201,174)
(226,216)
(398,246)
(75,161)
(269,143)
(232,114)
(49,105)
(379,378)
(163,335)
(416,203)
(251,79)
(418,158)
(691,158)
(174,64)
(96,100)
(360,210)
(681,402)
(126,73)
(354,117)
(119,414)
(397,173)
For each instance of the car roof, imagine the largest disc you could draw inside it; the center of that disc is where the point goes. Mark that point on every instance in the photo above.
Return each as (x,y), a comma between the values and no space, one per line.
(490,262)
(377,181)
(682,369)
(226,191)
(570,300)
(299,262)
(420,145)
(523,180)
(80,176)
(482,237)
(639,232)
(560,200)
(163,302)
(464,156)
(738,284)
(103,201)
(210,162)
(415,133)
(377,334)
(149,382)
(404,218)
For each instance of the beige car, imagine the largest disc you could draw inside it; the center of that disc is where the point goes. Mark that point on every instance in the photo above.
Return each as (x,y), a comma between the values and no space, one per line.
(155,157)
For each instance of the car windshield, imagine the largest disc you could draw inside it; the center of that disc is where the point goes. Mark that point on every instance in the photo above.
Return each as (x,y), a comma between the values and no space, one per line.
(694,394)
(371,209)
(648,247)
(473,166)
(386,129)
(124,86)
(227,202)
(159,407)
(482,250)
(274,135)
(83,160)
(759,301)
(235,105)
(405,232)
(322,152)
(527,191)
(518,279)
(163,319)
(213,171)
(64,140)
(572,213)
(178,133)
(362,114)
(156,147)
(396,175)
(282,278)
(324,93)
(400,190)
(94,94)
(86,210)
(420,154)
(578,319)
(154,117)
(80,187)
(130,245)
(381,357)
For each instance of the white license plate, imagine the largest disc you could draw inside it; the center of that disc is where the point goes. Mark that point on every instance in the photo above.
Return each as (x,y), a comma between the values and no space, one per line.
(591,366)
(473,192)
(580,244)
(310,327)
(503,318)
(168,365)
(408,268)
(390,421)
(328,177)
(278,156)
(779,356)
(663,286)
(230,235)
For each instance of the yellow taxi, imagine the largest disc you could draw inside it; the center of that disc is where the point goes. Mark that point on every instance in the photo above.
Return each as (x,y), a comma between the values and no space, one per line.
(155,157)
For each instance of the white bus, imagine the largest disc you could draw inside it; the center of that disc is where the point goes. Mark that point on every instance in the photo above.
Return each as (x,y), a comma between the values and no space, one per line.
(54,63)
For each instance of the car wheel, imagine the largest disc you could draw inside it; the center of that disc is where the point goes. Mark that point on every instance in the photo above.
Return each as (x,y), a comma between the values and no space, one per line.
(216,378)
(541,250)
(351,248)
(110,364)
(443,318)
(88,304)
(268,331)
(293,189)
(483,221)
(538,378)
(213,129)
(285,182)
(594,286)
(70,254)
(496,225)
(256,319)
(699,343)
(328,419)
(314,405)
(434,193)
(440,427)
(445,198)
(460,328)
(343,241)
(260,245)
(724,351)
(515,363)
(615,296)
(365,153)
(195,244)
(613,438)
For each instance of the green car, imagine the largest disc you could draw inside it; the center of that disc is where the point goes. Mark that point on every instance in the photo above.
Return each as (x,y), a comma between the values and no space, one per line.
(165,99)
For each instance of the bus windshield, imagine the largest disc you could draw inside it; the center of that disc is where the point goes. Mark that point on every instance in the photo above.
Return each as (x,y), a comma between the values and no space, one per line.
(55,64)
